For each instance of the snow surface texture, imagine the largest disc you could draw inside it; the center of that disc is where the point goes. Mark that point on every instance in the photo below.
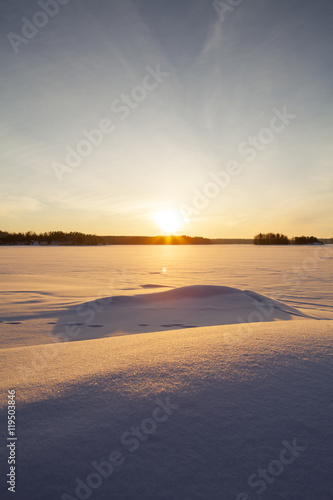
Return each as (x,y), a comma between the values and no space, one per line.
(237,396)
(202,391)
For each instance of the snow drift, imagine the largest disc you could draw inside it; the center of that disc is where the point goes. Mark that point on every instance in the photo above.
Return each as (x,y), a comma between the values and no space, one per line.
(183,307)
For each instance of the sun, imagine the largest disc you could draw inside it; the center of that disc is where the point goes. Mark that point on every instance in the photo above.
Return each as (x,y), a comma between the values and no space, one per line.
(169,221)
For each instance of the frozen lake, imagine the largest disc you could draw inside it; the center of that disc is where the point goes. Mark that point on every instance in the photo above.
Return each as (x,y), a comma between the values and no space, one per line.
(182,327)
(38,284)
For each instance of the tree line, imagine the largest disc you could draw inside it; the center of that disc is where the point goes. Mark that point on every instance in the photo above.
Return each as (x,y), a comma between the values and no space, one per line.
(76,238)
(281,239)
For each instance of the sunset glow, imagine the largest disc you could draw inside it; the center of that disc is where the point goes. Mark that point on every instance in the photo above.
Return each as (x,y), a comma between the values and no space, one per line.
(169,221)
(116,111)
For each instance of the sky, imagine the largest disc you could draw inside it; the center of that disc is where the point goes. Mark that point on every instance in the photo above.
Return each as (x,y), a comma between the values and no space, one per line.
(120,114)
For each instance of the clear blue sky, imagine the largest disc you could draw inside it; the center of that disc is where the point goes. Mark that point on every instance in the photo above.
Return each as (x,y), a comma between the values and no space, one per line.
(180,90)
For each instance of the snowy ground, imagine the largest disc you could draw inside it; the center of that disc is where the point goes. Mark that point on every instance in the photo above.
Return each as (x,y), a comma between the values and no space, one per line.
(210,385)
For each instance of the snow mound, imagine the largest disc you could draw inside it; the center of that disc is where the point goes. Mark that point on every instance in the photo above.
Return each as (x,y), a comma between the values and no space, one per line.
(184,307)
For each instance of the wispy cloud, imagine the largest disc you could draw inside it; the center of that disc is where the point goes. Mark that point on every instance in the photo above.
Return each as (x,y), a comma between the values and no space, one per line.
(13,205)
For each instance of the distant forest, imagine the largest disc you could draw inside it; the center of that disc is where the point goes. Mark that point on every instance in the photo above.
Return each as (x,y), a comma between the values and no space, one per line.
(76,238)
(281,239)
